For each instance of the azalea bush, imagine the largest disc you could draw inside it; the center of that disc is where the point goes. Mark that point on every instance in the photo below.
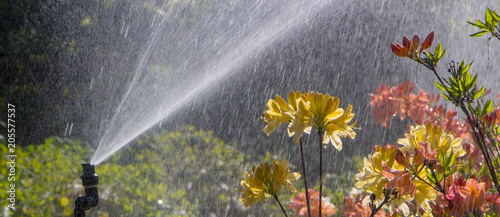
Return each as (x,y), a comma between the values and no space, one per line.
(444,166)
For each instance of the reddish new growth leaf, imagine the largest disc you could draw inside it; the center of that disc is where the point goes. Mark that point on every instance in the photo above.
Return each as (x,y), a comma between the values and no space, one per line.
(410,48)
(299,204)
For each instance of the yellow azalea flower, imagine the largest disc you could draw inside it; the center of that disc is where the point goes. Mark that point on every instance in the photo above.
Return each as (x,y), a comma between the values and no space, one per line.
(338,127)
(301,121)
(282,176)
(276,114)
(256,185)
(373,178)
(265,182)
(425,194)
(412,139)
(370,178)
(307,110)
(323,108)
(434,135)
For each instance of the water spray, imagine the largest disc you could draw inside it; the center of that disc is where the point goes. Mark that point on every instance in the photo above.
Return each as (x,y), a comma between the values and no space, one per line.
(91,197)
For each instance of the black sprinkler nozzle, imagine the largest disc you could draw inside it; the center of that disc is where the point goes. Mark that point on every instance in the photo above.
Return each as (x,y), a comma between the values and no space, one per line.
(91,197)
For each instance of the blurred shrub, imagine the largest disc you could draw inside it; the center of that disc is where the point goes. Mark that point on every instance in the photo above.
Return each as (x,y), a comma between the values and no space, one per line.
(167,173)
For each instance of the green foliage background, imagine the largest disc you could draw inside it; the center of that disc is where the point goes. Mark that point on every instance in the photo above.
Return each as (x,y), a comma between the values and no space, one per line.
(189,170)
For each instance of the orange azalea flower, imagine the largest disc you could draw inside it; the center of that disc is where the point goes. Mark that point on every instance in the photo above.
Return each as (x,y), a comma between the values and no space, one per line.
(300,205)
(464,196)
(410,48)
(456,195)
(355,208)
(477,197)
(399,100)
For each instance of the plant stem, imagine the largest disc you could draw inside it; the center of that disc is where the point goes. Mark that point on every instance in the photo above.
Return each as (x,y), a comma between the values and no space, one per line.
(435,188)
(305,177)
(320,133)
(282,209)
(374,211)
(440,188)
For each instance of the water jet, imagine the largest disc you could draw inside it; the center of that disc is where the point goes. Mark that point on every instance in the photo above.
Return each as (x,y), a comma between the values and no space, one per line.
(91,197)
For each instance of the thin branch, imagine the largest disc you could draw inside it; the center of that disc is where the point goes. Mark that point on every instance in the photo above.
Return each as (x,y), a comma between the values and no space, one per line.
(282,209)
(482,145)
(385,201)
(428,183)
(441,189)
(320,133)
(305,177)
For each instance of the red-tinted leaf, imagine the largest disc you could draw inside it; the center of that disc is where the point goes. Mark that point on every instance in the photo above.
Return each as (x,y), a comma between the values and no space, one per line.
(418,158)
(401,159)
(406,43)
(398,50)
(405,185)
(414,43)
(428,41)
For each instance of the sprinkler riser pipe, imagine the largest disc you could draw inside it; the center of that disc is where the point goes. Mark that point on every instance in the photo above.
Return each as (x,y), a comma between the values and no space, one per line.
(91,197)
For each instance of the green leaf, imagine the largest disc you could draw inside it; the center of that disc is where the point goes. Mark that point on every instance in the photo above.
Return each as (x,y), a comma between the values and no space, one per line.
(441,156)
(446,97)
(442,54)
(473,82)
(453,83)
(439,177)
(466,68)
(439,86)
(477,111)
(451,160)
(473,24)
(449,173)
(470,107)
(488,108)
(481,25)
(480,93)
(477,34)
(487,17)
(429,176)
(493,14)
(481,171)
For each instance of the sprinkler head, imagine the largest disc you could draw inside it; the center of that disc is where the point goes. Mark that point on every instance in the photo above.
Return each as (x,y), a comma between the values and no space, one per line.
(89,178)
(91,197)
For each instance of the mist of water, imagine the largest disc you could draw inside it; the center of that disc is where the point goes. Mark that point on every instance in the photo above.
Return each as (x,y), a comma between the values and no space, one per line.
(156,92)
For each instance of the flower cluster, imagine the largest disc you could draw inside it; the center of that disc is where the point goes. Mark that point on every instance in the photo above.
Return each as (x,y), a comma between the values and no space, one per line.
(265,181)
(305,111)
(387,102)
(399,175)
(298,203)
(465,196)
